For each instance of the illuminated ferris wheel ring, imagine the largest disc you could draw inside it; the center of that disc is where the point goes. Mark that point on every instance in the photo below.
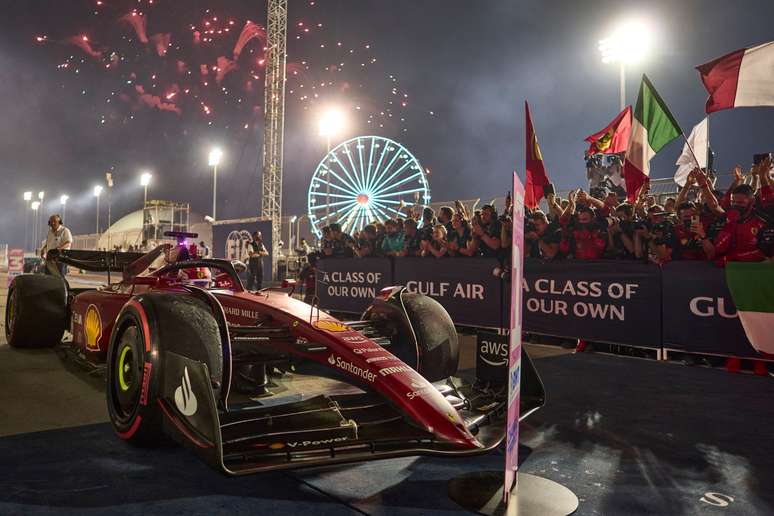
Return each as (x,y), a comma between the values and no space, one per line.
(364,180)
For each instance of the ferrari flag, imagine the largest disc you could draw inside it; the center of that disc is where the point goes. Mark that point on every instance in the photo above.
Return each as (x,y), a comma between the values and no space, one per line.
(753,296)
(742,78)
(615,137)
(653,126)
(537,177)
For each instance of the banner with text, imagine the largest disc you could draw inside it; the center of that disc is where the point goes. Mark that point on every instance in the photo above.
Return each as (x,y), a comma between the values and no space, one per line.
(466,288)
(231,240)
(608,301)
(699,313)
(351,284)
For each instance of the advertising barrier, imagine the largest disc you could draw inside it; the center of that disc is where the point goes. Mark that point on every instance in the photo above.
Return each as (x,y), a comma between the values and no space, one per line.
(15,263)
(230,239)
(684,306)
(467,288)
(351,284)
(698,311)
(607,301)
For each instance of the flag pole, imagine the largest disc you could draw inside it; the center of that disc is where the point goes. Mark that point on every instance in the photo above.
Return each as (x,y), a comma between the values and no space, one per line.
(707,155)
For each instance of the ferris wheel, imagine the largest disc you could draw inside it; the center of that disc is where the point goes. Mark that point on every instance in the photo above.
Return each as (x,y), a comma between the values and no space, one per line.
(364,180)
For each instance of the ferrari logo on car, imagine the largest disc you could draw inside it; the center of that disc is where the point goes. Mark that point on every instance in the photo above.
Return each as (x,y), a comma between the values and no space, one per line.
(333,326)
(92,327)
(185,399)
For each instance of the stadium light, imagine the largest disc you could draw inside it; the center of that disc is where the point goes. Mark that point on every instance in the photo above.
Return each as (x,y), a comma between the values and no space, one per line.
(63,201)
(145,179)
(630,42)
(41,195)
(215,156)
(27,196)
(97,193)
(331,124)
(35,205)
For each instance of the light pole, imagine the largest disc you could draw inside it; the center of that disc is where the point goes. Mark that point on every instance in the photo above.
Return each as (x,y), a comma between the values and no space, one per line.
(41,196)
(145,179)
(630,42)
(290,233)
(63,201)
(214,160)
(35,205)
(27,199)
(97,193)
(331,123)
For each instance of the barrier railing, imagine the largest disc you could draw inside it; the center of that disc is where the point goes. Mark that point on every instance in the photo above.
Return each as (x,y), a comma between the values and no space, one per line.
(682,306)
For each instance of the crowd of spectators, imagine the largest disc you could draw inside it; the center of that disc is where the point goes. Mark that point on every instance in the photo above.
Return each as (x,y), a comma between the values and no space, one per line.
(452,232)
(701,223)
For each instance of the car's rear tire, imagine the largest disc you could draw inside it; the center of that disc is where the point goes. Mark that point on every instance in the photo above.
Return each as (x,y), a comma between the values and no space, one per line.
(147,327)
(36,311)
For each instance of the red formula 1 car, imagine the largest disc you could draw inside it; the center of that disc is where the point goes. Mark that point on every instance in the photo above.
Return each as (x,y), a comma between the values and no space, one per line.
(256,381)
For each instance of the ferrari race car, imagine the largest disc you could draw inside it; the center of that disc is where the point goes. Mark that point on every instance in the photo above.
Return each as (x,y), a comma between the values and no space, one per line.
(257,381)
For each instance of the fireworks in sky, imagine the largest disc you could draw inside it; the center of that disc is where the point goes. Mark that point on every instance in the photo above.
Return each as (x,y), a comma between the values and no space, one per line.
(208,66)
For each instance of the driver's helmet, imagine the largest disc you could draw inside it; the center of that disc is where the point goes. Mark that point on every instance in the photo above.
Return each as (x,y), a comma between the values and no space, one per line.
(197,276)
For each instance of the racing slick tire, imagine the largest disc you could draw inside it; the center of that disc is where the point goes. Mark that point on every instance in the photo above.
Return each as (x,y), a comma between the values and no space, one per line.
(36,311)
(147,326)
(437,341)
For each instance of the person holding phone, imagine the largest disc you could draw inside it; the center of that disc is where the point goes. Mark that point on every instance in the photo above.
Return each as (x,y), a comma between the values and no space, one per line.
(689,235)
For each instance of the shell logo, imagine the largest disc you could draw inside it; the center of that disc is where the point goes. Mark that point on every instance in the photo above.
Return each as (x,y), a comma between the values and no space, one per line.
(92,327)
(333,326)
(276,446)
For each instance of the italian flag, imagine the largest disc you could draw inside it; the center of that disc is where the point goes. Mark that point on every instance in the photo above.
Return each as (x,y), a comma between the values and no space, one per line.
(742,78)
(752,288)
(653,126)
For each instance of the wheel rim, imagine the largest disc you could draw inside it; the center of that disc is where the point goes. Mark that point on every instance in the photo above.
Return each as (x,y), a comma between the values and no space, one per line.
(128,369)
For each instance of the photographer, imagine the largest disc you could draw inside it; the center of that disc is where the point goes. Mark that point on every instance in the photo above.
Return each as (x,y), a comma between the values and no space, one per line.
(689,236)
(620,233)
(542,238)
(486,229)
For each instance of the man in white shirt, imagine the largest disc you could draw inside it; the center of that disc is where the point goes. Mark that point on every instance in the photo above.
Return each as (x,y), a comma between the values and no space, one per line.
(59,237)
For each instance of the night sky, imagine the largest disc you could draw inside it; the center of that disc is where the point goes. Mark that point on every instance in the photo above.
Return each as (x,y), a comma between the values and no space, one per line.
(462,67)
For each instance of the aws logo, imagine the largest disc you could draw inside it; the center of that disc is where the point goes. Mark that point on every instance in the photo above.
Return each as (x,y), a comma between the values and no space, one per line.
(92,327)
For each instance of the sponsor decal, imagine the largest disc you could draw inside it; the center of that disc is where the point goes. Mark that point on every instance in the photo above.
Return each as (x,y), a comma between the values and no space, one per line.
(241,312)
(419,390)
(380,359)
(301,444)
(494,353)
(351,368)
(77,319)
(332,326)
(92,327)
(145,383)
(185,399)
(395,369)
(363,351)
(355,339)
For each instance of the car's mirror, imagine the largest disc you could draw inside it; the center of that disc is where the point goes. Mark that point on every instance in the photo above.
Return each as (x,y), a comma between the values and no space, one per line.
(239,266)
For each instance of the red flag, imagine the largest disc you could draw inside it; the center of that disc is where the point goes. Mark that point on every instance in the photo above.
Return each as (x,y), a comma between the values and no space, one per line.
(537,177)
(615,137)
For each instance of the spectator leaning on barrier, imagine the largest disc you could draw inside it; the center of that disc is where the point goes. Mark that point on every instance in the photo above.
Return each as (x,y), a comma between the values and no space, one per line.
(689,236)
(392,245)
(542,238)
(445,215)
(426,230)
(460,240)
(58,237)
(366,242)
(738,240)
(412,245)
(437,246)
(583,239)
(341,244)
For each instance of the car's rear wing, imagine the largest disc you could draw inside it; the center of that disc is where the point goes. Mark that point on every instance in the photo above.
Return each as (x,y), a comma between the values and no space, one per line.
(94,261)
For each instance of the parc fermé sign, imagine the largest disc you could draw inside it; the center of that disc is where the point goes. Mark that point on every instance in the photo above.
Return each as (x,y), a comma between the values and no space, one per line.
(15,263)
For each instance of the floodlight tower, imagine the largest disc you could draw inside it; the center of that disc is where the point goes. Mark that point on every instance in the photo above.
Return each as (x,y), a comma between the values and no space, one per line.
(274,120)
(629,43)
